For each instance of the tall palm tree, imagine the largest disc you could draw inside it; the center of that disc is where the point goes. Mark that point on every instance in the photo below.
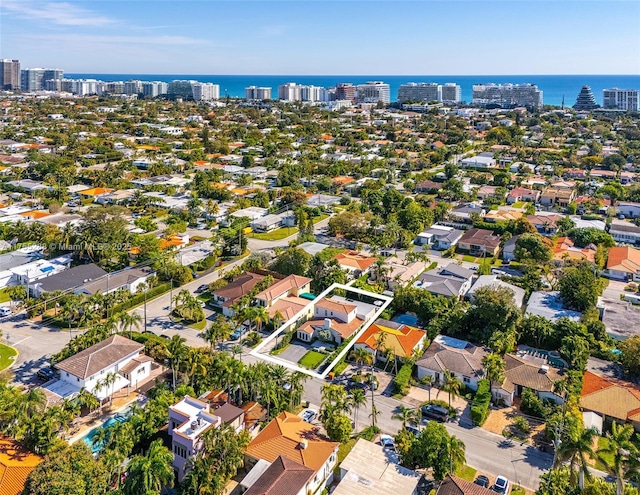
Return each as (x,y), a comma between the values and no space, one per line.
(150,473)
(176,350)
(451,384)
(358,399)
(456,452)
(260,317)
(375,412)
(277,319)
(622,451)
(406,415)
(361,356)
(110,380)
(494,366)
(575,448)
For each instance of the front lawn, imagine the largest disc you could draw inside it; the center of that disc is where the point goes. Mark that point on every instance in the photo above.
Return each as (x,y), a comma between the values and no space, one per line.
(469,258)
(275,235)
(466,472)
(4,295)
(320,218)
(519,204)
(603,443)
(312,359)
(7,356)
(199,325)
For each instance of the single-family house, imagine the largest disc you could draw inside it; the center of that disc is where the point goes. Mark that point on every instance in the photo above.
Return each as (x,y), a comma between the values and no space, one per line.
(527,371)
(115,356)
(440,237)
(454,485)
(16,464)
(546,225)
(188,420)
(449,281)
(458,357)
(564,249)
(68,279)
(354,262)
(226,297)
(504,214)
(624,232)
(400,274)
(273,222)
(628,209)
(549,306)
(465,214)
(480,242)
(284,296)
(509,249)
(339,318)
(370,469)
(28,185)
(611,398)
(289,436)
(428,186)
(518,194)
(485,192)
(282,476)
(386,339)
(129,279)
(478,162)
(623,263)
(494,281)
(557,196)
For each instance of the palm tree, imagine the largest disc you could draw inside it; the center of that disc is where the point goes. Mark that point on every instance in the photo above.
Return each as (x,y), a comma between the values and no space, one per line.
(456,450)
(374,415)
(451,385)
(277,319)
(236,350)
(150,473)
(622,450)
(130,321)
(260,316)
(429,381)
(405,415)
(575,448)
(361,356)
(176,350)
(494,366)
(358,398)
(110,380)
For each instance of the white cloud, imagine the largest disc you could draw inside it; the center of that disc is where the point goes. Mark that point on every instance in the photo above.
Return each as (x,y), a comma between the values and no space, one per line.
(60,13)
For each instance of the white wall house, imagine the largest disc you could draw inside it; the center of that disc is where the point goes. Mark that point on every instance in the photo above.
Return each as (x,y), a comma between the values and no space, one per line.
(115,355)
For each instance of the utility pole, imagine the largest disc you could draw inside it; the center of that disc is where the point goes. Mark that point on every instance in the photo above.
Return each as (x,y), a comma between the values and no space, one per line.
(145,310)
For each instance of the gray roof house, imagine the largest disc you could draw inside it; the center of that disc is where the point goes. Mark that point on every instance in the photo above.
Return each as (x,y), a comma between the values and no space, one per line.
(509,249)
(127,279)
(69,279)
(459,357)
(449,281)
(549,306)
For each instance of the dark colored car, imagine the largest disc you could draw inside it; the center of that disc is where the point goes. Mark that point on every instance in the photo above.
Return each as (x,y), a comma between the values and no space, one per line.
(413,429)
(483,481)
(435,412)
(202,288)
(46,374)
(360,385)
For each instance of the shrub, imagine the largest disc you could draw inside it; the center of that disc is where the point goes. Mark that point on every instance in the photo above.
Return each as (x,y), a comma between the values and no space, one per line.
(139,297)
(369,433)
(402,379)
(480,406)
(522,424)
(533,405)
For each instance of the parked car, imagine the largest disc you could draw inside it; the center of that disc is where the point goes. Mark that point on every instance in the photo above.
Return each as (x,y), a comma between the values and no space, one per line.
(4,311)
(238,332)
(501,485)
(309,415)
(482,480)
(201,289)
(203,304)
(387,443)
(412,429)
(165,336)
(435,412)
(46,374)
(361,385)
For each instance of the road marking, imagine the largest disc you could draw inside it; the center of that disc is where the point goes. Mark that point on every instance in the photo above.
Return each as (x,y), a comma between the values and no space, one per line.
(19,341)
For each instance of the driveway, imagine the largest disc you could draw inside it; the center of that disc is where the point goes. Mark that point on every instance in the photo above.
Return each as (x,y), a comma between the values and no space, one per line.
(294,352)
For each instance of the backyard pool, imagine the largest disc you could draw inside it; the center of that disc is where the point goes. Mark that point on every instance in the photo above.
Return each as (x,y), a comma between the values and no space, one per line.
(88,438)
(406,319)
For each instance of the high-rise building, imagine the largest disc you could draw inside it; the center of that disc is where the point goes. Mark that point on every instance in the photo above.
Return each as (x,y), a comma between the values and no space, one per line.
(585,100)
(9,74)
(113,87)
(253,93)
(154,88)
(313,93)
(35,79)
(419,92)
(620,99)
(290,92)
(345,91)
(132,87)
(205,91)
(507,95)
(451,93)
(373,92)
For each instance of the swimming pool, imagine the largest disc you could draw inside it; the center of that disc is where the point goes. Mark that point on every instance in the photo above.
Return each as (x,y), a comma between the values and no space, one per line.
(88,438)
(406,319)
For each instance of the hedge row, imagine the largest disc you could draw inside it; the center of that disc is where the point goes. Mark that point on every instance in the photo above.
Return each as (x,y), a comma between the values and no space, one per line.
(480,406)
(139,298)
(402,379)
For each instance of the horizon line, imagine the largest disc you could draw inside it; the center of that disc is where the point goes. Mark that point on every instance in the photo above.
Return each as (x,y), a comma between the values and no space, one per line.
(345,75)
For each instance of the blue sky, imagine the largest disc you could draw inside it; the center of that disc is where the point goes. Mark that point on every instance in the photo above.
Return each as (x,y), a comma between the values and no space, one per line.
(324,37)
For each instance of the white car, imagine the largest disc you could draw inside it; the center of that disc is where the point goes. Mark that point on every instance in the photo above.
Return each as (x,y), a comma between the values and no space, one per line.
(4,311)
(387,442)
(309,415)
(501,485)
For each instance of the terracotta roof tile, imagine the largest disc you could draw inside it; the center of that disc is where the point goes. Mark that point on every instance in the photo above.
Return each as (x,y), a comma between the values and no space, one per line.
(402,340)
(452,485)
(283,477)
(16,463)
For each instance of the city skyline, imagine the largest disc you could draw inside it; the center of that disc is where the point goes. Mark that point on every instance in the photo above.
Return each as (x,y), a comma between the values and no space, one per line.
(323,37)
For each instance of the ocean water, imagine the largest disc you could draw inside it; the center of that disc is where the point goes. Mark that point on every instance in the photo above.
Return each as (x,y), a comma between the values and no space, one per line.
(554,88)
